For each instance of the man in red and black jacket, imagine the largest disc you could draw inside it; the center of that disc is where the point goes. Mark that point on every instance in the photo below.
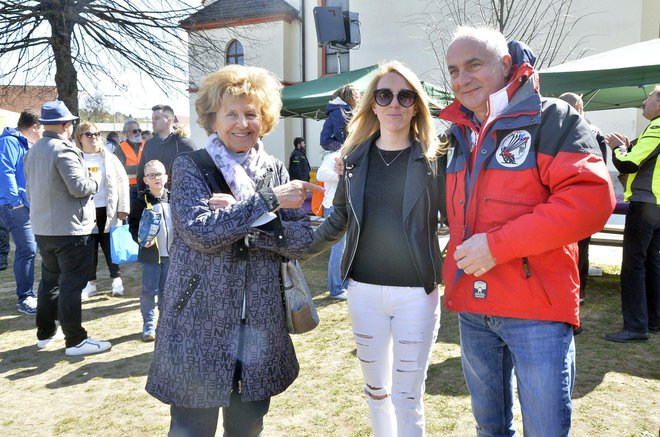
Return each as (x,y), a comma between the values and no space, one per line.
(525,181)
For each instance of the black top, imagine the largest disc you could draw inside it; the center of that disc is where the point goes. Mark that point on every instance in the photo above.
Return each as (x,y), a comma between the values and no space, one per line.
(164,150)
(382,256)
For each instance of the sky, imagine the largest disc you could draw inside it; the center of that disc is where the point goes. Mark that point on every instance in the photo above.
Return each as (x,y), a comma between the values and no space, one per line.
(139,94)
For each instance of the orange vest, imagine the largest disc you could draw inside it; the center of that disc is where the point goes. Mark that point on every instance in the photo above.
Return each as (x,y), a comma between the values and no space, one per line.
(132,160)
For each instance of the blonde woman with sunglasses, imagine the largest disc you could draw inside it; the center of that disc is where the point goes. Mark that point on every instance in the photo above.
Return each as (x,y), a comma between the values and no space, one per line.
(387,203)
(111,201)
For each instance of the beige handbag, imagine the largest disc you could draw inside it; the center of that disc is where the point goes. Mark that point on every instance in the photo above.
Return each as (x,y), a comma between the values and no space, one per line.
(301,315)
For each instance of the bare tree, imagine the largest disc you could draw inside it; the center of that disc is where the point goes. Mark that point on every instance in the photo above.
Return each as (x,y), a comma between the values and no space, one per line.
(95,108)
(542,24)
(93,39)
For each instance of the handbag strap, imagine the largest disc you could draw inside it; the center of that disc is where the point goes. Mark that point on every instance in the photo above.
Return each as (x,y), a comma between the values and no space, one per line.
(212,174)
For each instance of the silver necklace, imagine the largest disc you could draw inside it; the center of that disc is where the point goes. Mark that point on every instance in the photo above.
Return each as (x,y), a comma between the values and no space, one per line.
(387,164)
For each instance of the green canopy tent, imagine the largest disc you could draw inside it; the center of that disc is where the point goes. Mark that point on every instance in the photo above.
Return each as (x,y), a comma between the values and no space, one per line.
(619,78)
(308,99)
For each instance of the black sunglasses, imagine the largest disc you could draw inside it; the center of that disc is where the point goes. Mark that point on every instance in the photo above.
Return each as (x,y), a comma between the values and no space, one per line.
(384,97)
(136,131)
(92,134)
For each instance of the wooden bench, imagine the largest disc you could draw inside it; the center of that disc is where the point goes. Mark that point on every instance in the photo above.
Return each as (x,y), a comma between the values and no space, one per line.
(611,235)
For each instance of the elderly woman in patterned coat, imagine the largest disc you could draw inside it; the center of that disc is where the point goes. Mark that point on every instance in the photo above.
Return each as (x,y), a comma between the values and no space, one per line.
(221,339)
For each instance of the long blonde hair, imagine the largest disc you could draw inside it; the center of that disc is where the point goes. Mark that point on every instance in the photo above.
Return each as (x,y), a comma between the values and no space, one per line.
(365,124)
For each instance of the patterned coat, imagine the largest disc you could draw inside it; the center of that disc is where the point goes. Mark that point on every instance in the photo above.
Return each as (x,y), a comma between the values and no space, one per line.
(197,343)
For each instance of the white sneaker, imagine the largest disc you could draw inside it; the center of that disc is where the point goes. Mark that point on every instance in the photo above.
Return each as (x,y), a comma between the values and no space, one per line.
(341,296)
(88,291)
(117,287)
(88,346)
(59,335)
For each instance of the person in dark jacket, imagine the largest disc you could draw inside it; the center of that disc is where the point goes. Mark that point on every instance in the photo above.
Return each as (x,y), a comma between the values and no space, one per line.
(387,202)
(339,110)
(576,102)
(221,340)
(298,165)
(153,254)
(167,142)
(640,266)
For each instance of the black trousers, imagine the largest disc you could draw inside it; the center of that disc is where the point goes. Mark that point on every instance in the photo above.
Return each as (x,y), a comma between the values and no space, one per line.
(583,265)
(640,269)
(239,419)
(65,264)
(102,239)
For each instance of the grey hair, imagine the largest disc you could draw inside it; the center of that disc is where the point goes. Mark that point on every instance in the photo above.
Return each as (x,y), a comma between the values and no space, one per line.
(491,38)
(129,122)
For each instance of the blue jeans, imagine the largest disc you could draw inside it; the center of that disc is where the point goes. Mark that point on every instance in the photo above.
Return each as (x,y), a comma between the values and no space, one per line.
(18,222)
(4,244)
(153,283)
(543,355)
(335,284)
(65,264)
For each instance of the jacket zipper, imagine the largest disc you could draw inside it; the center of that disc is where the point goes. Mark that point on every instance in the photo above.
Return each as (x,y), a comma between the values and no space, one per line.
(431,231)
(525,263)
(357,222)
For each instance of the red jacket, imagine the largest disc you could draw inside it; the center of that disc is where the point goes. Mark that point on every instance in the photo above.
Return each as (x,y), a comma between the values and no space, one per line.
(537,186)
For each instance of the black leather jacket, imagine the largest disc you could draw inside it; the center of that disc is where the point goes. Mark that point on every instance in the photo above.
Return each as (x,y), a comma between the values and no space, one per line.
(424,197)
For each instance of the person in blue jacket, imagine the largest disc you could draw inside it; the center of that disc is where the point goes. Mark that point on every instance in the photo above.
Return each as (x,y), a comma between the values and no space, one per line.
(14,205)
(339,110)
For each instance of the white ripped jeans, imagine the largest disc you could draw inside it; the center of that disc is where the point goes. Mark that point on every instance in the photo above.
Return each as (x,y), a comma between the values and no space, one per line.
(395,329)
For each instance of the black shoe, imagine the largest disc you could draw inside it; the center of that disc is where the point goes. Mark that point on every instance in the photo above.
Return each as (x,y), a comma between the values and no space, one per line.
(626,336)
(3,266)
(654,329)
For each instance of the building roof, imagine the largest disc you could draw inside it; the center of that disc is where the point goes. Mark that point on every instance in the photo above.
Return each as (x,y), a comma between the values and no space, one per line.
(18,98)
(227,13)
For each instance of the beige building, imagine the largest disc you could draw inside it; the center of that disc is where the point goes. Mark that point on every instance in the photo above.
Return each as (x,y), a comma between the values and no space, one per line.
(281,36)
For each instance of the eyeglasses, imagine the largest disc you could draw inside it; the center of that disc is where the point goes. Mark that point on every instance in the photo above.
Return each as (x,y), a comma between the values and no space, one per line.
(153,176)
(92,134)
(136,131)
(384,97)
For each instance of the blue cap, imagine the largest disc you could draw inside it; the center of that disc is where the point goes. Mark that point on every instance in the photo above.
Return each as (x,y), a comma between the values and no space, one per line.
(55,112)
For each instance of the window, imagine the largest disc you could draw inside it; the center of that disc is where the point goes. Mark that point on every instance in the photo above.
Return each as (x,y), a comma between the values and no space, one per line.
(235,53)
(330,53)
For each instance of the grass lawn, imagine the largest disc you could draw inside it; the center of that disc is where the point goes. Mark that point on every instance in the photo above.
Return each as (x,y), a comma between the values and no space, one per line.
(44,393)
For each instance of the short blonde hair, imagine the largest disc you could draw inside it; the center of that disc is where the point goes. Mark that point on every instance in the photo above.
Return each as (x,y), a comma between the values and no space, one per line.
(154,163)
(81,130)
(365,124)
(258,84)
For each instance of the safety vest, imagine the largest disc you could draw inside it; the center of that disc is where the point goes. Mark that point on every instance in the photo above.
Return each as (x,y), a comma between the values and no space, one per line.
(132,161)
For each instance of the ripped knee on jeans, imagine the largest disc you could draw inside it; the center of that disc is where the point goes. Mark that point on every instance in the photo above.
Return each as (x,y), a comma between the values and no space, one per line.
(376,393)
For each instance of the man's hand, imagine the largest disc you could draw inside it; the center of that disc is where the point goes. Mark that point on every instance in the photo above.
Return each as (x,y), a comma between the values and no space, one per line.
(122,216)
(616,140)
(294,193)
(473,255)
(220,200)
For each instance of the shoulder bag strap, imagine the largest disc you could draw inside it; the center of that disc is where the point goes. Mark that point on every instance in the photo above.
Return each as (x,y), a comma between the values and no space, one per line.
(212,174)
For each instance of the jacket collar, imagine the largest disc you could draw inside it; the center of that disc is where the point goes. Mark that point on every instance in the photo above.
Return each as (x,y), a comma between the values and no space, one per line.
(356,164)
(523,84)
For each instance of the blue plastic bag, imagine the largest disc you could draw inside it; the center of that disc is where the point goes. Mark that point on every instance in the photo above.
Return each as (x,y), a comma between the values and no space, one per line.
(122,247)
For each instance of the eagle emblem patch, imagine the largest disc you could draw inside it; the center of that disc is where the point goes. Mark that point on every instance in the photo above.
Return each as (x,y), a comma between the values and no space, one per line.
(514,148)
(479,290)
